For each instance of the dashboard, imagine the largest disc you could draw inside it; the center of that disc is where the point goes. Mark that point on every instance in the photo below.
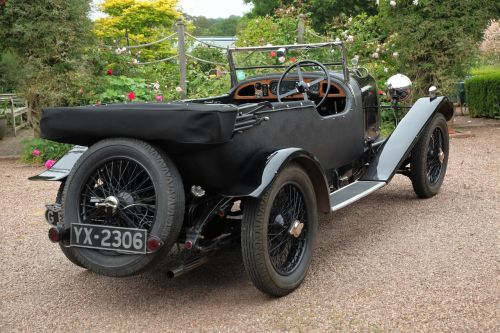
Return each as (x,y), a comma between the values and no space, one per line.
(267,89)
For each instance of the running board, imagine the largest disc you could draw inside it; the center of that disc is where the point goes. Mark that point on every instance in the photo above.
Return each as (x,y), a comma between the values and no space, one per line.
(352,193)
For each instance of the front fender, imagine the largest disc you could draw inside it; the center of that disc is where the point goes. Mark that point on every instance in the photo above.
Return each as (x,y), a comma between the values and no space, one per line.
(405,136)
(63,166)
(277,161)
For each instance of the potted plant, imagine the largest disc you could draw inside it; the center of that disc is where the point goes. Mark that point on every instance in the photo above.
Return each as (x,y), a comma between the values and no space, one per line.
(3,120)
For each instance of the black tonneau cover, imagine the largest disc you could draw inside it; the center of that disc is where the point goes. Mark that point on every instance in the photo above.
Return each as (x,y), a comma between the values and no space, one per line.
(168,123)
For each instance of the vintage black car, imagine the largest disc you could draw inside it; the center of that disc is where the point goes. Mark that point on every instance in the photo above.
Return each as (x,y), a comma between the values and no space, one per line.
(292,139)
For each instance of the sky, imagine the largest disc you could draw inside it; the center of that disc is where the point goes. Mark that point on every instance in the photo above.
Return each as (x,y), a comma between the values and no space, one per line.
(214,8)
(207,8)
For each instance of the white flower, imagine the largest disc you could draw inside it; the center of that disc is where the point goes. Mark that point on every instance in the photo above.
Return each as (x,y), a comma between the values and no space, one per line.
(156,85)
(356,56)
(392,3)
(415,2)
(269,44)
(350,38)
(337,40)
(378,49)
(350,19)
(386,69)
(118,51)
(375,55)
(282,59)
(135,61)
(124,49)
(179,89)
(395,54)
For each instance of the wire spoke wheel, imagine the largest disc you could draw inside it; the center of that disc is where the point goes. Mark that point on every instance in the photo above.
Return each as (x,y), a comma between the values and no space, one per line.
(278,232)
(429,158)
(130,184)
(435,156)
(286,250)
(123,183)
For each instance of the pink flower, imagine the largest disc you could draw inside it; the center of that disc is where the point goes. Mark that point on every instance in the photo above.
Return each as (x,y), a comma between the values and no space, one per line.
(49,164)
(273,54)
(159,98)
(131,96)
(293,59)
(109,71)
(36,152)
(380,92)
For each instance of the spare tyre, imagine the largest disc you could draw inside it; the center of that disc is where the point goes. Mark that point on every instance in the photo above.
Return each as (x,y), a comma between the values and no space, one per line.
(147,192)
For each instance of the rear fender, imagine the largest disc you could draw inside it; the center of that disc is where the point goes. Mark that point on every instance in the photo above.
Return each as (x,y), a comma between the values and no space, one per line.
(278,160)
(398,146)
(62,168)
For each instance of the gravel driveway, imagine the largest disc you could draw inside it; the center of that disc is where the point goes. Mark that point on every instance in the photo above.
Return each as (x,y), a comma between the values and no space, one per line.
(387,263)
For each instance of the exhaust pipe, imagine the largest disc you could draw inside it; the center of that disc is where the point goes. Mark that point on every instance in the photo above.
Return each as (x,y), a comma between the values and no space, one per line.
(187,267)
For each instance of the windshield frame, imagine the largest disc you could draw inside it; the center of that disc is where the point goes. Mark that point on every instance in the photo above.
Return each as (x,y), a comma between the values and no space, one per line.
(233,68)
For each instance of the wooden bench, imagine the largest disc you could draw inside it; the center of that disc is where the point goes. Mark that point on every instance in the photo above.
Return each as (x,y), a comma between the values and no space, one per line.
(18,108)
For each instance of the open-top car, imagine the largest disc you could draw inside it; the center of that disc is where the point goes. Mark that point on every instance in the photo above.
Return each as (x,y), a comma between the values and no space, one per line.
(297,135)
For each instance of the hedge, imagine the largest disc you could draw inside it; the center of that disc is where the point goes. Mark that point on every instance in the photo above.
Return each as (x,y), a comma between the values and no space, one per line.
(483,95)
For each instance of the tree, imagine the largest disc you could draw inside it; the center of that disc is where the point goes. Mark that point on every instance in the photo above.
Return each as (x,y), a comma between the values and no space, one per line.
(321,12)
(47,37)
(144,21)
(438,39)
(214,27)
(266,7)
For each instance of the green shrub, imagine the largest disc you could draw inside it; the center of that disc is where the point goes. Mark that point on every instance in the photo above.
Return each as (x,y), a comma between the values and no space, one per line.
(47,150)
(483,94)
(485,70)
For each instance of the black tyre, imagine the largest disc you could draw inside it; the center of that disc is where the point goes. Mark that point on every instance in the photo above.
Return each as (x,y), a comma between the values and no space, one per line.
(64,245)
(278,233)
(148,188)
(429,158)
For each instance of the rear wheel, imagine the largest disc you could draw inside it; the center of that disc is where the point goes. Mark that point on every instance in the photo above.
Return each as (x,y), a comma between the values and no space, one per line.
(429,158)
(278,233)
(64,244)
(148,192)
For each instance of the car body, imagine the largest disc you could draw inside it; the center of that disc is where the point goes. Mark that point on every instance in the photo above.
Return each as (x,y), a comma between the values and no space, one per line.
(254,166)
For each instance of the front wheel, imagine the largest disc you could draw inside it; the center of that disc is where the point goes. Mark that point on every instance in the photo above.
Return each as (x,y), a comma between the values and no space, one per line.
(429,158)
(278,233)
(145,189)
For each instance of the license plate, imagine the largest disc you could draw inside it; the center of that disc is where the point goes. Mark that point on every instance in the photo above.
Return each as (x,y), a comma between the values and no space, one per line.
(53,214)
(117,239)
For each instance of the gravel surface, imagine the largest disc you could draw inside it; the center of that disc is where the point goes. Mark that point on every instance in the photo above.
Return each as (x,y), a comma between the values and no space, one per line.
(390,262)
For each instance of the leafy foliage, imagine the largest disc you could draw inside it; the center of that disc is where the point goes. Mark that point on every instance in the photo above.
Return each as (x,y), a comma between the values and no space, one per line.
(50,53)
(116,89)
(321,12)
(144,21)
(214,26)
(39,150)
(436,39)
(265,30)
(482,91)
(490,46)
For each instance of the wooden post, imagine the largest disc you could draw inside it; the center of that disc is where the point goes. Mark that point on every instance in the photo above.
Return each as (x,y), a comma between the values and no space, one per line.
(127,41)
(301,29)
(182,58)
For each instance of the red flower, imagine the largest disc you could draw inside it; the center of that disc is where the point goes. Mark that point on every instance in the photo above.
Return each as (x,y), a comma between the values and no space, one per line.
(380,92)
(273,54)
(49,164)
(293,59)
(131,96)
(109,71)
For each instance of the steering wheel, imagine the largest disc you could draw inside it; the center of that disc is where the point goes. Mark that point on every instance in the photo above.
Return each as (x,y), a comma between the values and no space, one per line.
(303,87)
